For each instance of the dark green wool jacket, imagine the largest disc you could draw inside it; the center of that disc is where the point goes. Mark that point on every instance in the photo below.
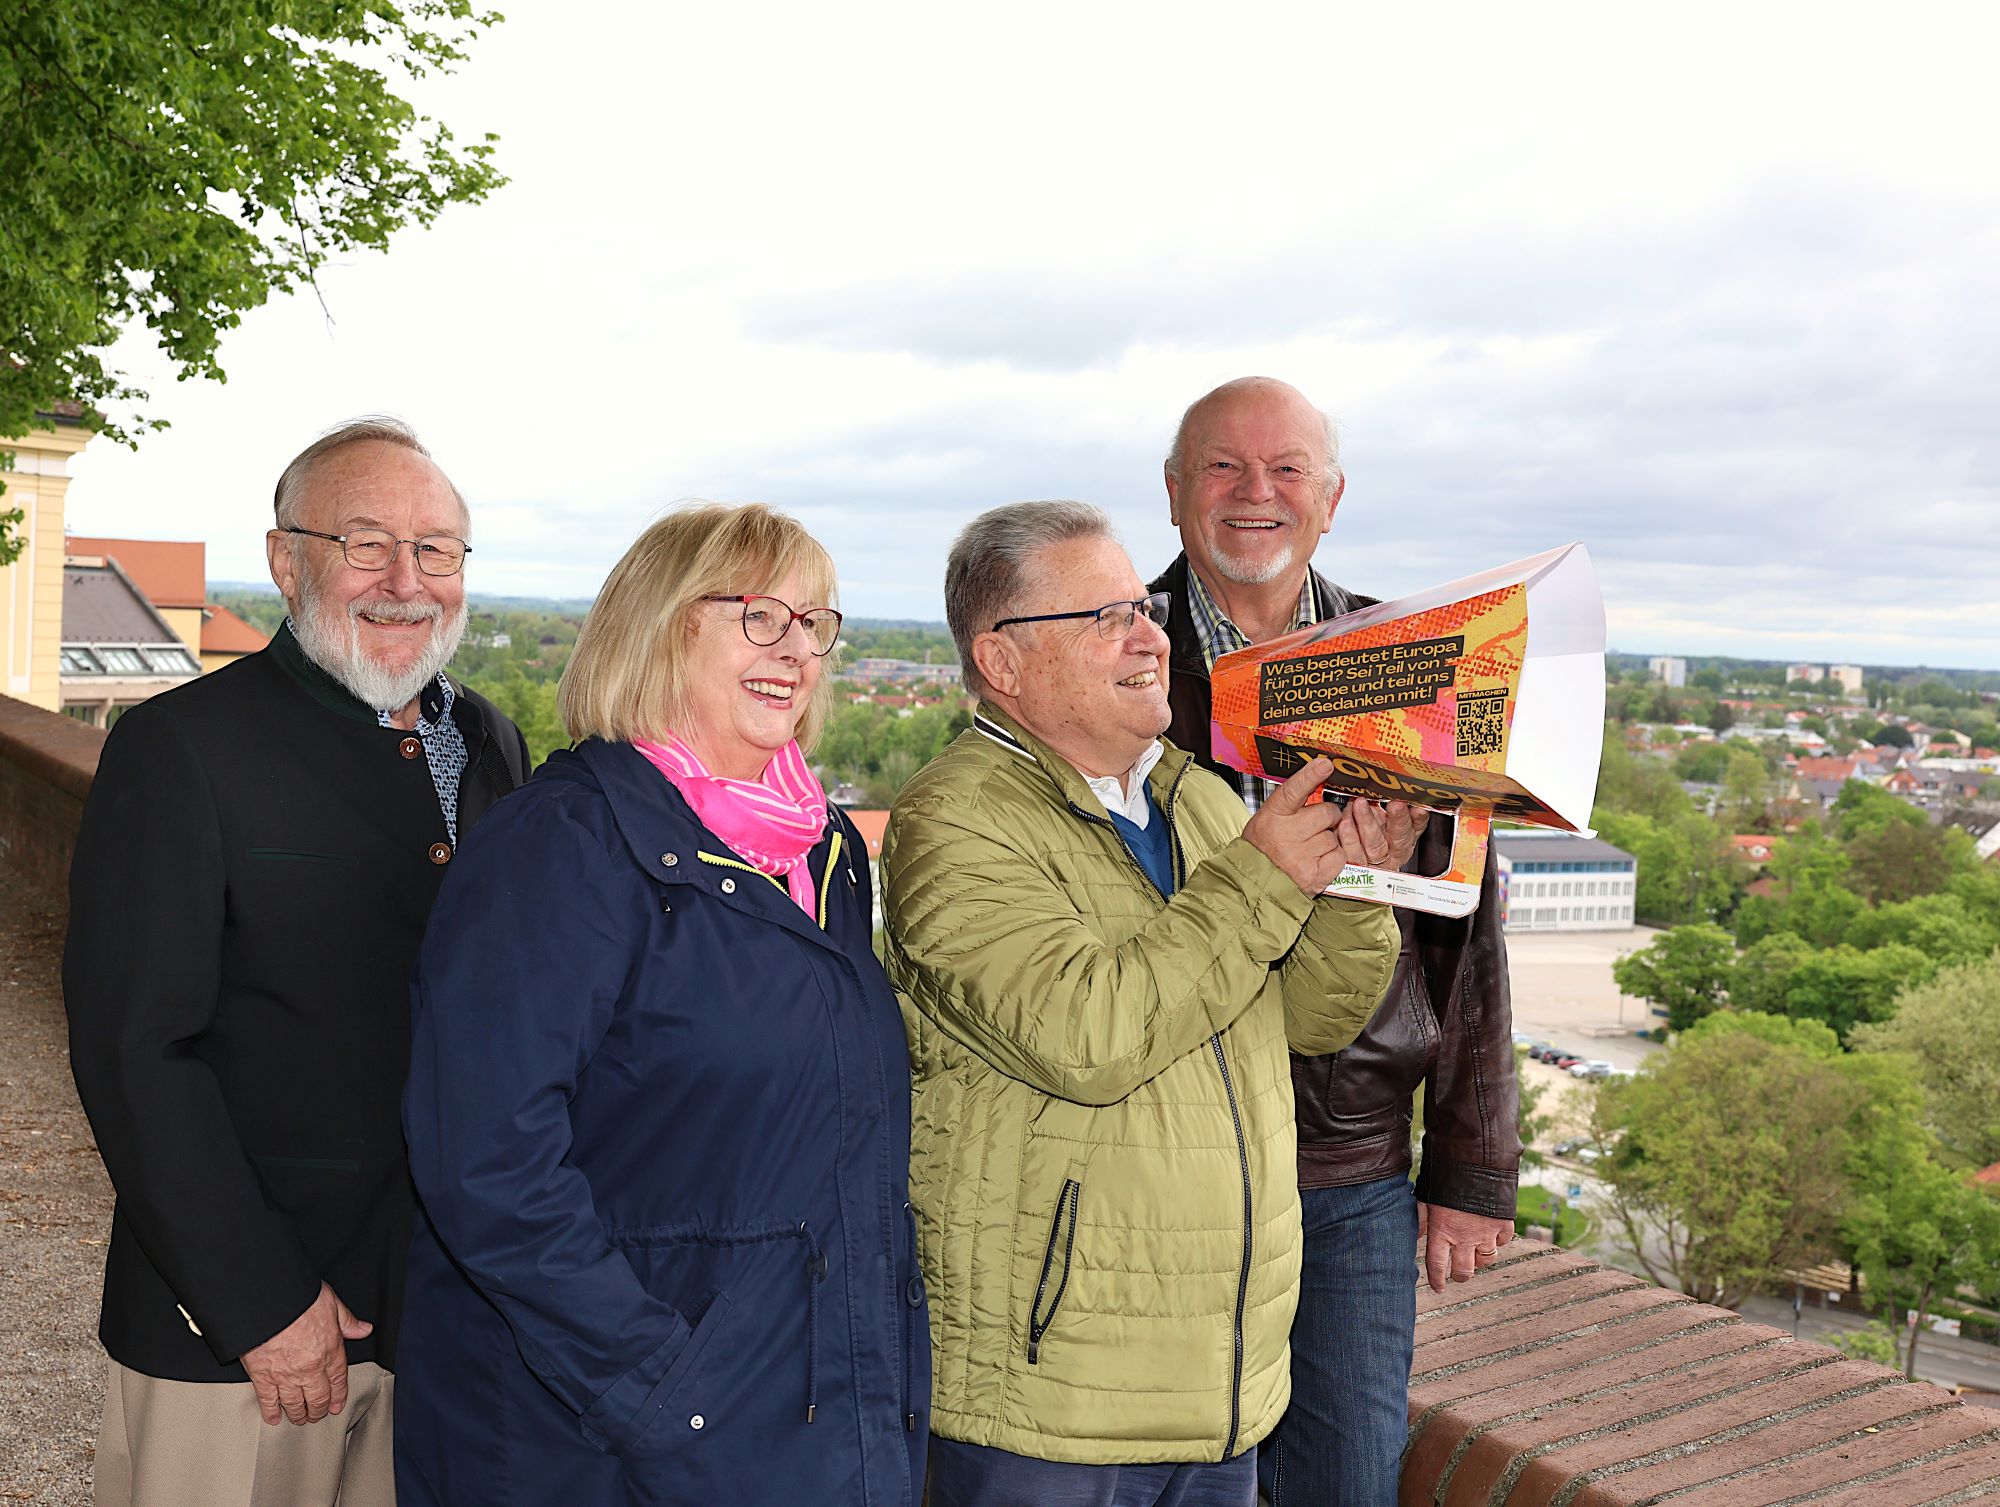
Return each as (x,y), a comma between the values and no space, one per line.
(1103,1156)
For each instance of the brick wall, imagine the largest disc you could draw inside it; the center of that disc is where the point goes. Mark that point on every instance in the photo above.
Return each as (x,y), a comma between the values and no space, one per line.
(47,761)
(1554,1382)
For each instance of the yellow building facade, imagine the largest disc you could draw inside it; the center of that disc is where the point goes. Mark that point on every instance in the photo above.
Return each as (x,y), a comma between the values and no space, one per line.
(31,588)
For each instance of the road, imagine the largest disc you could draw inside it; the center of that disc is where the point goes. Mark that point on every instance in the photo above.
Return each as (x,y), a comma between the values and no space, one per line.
(1941,1358)
(1563,993)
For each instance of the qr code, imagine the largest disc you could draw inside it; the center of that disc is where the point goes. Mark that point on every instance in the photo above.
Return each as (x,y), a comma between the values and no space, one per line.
(1482,723)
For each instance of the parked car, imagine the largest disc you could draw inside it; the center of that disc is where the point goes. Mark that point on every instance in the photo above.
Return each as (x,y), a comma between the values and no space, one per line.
(1588,1154)
(1596,1067)
(1564,1061)
(1565,1148)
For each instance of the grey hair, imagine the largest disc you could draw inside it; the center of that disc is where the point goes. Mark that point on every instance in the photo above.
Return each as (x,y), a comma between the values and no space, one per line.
(1177,455)
(987,573)
(377,427)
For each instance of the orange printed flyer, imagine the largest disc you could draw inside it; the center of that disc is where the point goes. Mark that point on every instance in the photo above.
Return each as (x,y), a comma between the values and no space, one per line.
(1483,697)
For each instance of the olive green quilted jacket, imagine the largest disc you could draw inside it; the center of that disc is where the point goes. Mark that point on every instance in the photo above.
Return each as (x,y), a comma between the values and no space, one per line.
(1103,1160)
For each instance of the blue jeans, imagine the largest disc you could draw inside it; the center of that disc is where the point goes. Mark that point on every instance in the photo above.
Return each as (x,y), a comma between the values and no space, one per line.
(1340,1444)
(976,1475)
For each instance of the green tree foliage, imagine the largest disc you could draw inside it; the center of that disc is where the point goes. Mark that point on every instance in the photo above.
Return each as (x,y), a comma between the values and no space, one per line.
(1747,790)
(1894,734)
(923,643)
(178,163)
(1730,1158)
(1900,861)
(1845,987)
(1950,1026)
(877,749)
(1704,763)
(1810,895)
(532,705)
(1686,971)
(1872,1342)
(1943,927)
(1686,870)
(1762,978)
(1922,1234)
(1639,786)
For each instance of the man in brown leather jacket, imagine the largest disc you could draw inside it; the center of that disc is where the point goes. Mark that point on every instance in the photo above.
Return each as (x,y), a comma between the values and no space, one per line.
(1252,482)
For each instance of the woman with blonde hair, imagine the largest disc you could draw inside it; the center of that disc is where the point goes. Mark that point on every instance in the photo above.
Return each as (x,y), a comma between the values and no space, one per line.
(658,1109)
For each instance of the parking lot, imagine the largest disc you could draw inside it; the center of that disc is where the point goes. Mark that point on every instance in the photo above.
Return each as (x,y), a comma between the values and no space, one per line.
(1564,995)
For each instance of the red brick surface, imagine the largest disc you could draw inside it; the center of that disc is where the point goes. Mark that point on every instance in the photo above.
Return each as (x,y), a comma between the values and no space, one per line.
(1834,1460)
(1679,1401)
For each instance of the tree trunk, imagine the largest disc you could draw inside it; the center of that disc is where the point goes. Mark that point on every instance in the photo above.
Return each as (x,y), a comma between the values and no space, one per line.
(1922,1308)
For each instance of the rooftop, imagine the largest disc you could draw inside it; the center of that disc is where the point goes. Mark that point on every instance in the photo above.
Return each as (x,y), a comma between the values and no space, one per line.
(1535,846)
(223,632)
(171,573)
(102,605)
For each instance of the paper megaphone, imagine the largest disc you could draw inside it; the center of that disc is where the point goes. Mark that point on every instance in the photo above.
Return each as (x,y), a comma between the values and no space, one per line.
(1483,697)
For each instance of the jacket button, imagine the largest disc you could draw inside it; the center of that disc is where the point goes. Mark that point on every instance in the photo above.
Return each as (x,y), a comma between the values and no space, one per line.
(729,886)
(913,1292)
(670,859)
(411,748)
(697,1422)
(440,852)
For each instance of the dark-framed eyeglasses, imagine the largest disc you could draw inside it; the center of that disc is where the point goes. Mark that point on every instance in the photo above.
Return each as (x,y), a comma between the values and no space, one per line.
(1114,619)
(375,549)
(766,621)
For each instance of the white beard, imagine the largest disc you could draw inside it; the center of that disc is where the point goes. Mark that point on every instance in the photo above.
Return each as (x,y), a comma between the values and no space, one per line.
(332,640)
(1246,573)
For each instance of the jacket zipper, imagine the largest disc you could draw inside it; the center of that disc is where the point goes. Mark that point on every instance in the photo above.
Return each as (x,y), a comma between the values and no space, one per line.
(913,1294)
(1066,1203)
(1243,1275)
(816,1267)
(734,863)
(1242,1147)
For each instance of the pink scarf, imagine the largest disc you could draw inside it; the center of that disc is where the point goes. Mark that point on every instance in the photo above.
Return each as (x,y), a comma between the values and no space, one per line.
(771,823)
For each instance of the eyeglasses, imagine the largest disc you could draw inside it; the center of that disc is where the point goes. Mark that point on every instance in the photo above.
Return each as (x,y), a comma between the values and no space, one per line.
(1114,620)
(375,549)
(766,621)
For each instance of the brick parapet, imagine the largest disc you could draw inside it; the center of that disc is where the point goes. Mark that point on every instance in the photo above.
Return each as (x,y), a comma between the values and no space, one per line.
(1555,1382)
(47,762)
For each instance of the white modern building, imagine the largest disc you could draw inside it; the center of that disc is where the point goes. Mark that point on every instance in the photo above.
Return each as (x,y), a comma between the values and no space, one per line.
(1557,881)
(1673,672)
(1848,676)
(1810,674)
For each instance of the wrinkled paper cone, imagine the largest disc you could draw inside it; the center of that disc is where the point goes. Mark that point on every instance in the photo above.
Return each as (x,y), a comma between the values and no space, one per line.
(1483,697)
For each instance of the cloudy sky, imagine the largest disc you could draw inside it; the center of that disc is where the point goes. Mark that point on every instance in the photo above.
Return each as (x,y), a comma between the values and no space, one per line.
(1715,290)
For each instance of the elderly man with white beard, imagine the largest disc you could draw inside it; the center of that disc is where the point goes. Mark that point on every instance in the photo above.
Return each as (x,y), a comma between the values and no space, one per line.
(257,859)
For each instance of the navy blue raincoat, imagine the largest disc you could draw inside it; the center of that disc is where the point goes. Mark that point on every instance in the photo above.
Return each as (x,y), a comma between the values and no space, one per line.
(659,1123)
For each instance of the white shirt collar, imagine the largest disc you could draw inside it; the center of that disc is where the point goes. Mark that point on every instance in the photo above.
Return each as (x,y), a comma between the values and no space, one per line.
(1135,808)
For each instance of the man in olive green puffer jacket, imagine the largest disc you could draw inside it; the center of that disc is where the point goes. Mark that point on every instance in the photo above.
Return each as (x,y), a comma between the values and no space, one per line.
(1101,967)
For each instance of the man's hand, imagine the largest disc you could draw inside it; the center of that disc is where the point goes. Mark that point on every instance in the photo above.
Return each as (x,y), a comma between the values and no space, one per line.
(1380,837)
(300,1372)
(1456,1244)
(1296,833)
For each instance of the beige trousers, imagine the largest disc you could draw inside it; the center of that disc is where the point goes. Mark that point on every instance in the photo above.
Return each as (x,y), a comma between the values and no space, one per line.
(204,1444)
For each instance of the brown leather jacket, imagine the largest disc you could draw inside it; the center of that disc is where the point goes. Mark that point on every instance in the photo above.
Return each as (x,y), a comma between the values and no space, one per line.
(1446,1021)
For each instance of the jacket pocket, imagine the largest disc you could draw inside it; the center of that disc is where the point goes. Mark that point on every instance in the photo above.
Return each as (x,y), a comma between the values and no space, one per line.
(301,855)
(1056,1258)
